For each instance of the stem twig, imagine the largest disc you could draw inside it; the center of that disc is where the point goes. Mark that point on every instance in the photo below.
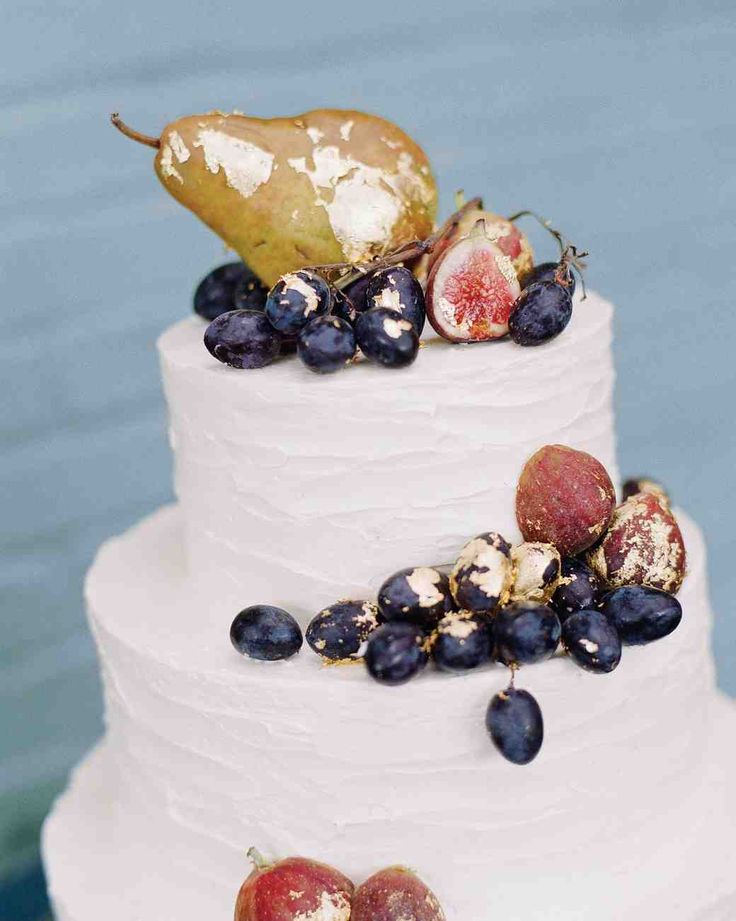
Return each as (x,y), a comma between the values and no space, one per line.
(133,134)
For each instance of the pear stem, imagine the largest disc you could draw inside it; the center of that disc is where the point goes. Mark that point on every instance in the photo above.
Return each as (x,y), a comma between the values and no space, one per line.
(133,134)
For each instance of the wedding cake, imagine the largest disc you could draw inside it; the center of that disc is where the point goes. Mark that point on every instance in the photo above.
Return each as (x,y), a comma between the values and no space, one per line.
(296,490)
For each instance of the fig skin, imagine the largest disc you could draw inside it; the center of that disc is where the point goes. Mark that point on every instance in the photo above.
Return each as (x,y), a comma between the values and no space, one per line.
(395,894)
(565,497)
(643,546)
(292,889)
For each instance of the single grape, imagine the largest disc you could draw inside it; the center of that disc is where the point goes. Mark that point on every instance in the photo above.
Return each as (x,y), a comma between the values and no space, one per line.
(242,339)
(540,313)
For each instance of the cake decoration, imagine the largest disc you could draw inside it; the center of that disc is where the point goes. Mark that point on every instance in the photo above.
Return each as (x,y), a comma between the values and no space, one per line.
(471,289)
(483,574)
(265,632)
(419,595)
(526,632)
(243,339)
(537,569)
(515,724)
(395,894)
(396,652)
(520,605)
(386,338)
(340,632)
(507,235)
(641,614)
(326,344)
(643,545)
(294,889)
(463,641)
(286,193)
(579,588)
(565,497)
(296,299)
(397,289)
(230,286)
(592,641)
(541,312)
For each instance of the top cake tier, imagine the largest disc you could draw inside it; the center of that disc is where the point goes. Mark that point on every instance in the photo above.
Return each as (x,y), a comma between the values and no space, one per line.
(298,490)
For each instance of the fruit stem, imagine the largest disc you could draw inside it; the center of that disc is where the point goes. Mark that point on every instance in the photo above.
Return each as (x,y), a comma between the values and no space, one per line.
(133,134)
(256,858)
(570,258)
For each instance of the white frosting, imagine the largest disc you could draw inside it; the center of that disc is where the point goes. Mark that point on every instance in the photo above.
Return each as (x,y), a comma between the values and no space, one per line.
(300,489)
(627,813)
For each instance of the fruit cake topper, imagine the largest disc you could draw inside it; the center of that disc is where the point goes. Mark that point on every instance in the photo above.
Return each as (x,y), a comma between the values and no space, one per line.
(327,186)
(589,578)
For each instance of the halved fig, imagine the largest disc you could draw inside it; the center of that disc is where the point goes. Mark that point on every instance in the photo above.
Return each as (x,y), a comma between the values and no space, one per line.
(504,233)
(471,289)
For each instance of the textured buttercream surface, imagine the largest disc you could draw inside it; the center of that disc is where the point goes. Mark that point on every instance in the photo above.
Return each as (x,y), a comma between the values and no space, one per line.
(294,486)
(627,813)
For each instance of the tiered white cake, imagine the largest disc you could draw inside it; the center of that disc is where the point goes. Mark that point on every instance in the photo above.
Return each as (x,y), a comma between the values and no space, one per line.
(299,490)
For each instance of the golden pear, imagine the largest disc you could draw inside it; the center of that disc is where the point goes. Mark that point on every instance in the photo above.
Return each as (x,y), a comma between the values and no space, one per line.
(324,187)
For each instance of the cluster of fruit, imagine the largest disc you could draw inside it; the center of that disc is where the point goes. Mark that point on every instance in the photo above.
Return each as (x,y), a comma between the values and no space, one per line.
(589,578)
(298,889)
(480,284)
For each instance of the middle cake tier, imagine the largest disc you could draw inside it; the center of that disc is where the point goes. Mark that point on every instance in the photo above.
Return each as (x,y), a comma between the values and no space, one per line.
(295,486)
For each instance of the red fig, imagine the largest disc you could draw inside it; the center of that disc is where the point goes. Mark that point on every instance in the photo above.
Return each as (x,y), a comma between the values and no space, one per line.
(471,289)
(643,546)
(395,894)
(565,498)
(504,233)
(296,889)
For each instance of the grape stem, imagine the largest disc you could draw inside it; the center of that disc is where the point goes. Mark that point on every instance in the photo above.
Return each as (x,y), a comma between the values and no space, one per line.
(571,259)
(133,134)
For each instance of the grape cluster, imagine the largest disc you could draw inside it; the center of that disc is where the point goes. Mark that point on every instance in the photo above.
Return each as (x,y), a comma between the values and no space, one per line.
(511,605)
(382,314)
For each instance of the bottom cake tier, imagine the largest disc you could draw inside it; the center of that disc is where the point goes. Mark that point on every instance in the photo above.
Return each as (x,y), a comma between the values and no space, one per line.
(628,812)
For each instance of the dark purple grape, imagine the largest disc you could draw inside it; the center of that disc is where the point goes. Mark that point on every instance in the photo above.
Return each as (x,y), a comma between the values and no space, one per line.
(540,313)
(641,614)
(296,299)
(514,722)
(242,339)
(419,595)
(397,288)
(578,588)
(326,344)
(215,294)
(526,632)
(592,641)
(342,630)
(395,653)
(463,641)
(386,338)
(266,632)
(250,292)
